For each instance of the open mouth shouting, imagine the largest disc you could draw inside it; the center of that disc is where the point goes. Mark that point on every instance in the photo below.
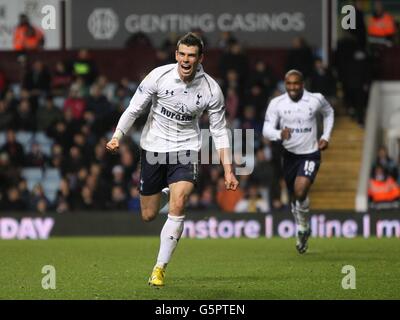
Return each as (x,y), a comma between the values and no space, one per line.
(186,68)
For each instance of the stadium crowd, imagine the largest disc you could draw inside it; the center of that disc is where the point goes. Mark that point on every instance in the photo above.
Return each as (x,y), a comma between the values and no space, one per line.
(55,123)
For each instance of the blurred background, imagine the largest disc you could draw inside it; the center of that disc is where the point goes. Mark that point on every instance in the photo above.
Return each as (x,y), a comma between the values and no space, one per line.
(68,70)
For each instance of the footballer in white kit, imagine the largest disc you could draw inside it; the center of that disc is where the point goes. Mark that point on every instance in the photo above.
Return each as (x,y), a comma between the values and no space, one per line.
(171,138)
(292,119)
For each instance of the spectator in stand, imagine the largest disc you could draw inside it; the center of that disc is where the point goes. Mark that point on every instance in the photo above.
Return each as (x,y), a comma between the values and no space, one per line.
(27,36)
(139,40)
(118,199)
(322,80)
(38,79)
(58,133)
(118,176)
(74,162)
(99,108)
(360,32)
(381,25)
(232,106)
(63,198)
(9,173)
(257,97)
(38,201)
(265,173)
(14,201)
(24,193)
(75,103)
(207,200)
(225,40)
(386,162)
(84,67)
(47,115)
(250,120)
(6,116)
(3,84)
(382,187)
(166,53)
(264,76)
(86,200)
(227,199)
(235,59)
(57,156)
(194,202)
(13,149)
(105,86)
(25,118)
(134,199)
(80,141)
(129,160)
(61,80)
(10,100)
(253,202)
(300,57)
(36,157)
(353,65)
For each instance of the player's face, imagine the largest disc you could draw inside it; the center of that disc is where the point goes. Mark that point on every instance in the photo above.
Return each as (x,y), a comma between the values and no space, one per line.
(294,86)
(188,59)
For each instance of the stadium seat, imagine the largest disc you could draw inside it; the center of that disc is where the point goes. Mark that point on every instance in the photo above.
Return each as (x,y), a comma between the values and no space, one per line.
(32,176)
(50,189)
(24,138)
(109,134)
(59,102)
(2,138)
(45,142)
(52,174)
(16,89)
(136,136)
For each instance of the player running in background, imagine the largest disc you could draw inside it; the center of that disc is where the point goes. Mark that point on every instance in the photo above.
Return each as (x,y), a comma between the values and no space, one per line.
(292,118)
(179,93)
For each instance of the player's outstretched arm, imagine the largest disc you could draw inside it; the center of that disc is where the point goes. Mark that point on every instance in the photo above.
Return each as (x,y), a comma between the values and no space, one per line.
(137,105)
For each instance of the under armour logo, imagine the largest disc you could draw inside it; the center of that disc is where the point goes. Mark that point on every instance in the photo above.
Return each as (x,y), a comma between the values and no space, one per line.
(198,99)
(172,238)
(169,92)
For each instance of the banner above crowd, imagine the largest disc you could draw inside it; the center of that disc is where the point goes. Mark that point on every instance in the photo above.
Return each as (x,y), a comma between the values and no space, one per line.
(102,24)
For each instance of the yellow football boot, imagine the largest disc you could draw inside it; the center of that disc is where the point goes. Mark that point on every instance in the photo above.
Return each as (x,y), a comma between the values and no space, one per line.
(157,277)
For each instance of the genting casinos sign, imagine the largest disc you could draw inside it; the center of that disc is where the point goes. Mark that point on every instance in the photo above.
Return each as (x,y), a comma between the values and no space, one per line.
(100,23)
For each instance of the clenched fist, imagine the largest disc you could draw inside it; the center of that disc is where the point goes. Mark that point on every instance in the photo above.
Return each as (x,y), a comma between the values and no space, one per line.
(112,145)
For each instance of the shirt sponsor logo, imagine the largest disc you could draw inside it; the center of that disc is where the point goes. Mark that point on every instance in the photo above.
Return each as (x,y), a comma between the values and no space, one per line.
(176,116)
(301,130)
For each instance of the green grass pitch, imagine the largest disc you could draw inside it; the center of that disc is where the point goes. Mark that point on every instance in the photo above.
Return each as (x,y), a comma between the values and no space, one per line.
(118,268)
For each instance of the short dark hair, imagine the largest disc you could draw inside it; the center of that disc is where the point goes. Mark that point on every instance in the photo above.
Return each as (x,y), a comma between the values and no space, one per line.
(295,72)
(190,39)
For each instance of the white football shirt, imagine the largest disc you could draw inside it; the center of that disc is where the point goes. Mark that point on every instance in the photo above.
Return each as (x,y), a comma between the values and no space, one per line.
(172,124)
(300,117)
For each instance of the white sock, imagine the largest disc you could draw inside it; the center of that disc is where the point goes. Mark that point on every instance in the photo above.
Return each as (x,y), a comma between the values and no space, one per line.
(294,211)
(302,209)
(164,197)
(170,235)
